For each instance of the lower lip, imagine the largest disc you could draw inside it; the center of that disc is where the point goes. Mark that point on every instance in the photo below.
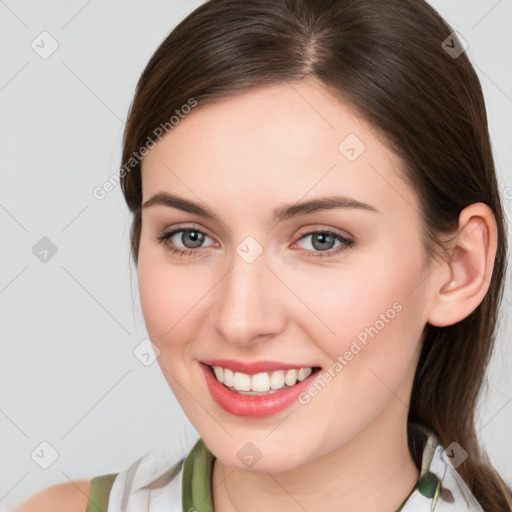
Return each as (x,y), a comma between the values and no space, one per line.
(252,405)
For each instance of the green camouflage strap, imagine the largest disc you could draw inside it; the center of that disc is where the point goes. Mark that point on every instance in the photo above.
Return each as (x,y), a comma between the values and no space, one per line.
(197,479)
(99,492)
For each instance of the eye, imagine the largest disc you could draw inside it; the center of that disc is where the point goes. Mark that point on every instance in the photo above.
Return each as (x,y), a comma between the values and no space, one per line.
(191,238)
(323,241)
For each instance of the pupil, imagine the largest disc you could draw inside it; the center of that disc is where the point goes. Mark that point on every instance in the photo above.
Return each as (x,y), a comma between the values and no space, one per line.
(195,236)
(323,240)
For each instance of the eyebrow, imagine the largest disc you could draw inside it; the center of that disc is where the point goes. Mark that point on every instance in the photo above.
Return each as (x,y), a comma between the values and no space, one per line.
(280,213)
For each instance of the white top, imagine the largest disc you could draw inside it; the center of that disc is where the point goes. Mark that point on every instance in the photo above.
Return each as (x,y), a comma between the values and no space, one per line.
(151,484)
(131,492)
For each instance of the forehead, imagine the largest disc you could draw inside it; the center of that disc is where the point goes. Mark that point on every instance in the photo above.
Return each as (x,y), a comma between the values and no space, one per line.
(276,144)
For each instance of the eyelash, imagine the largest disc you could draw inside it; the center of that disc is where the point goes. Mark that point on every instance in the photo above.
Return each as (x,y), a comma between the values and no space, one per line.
(346,243)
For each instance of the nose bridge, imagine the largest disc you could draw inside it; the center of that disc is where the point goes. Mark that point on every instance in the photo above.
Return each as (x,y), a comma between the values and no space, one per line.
(247,307)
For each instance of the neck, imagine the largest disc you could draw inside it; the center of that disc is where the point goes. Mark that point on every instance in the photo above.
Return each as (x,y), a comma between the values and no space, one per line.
(374,471)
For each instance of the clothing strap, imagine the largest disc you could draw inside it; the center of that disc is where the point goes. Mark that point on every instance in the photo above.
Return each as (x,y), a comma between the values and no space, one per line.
(99,492)
(197,471)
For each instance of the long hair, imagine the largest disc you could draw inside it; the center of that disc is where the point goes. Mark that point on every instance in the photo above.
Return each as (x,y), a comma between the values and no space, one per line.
(390,60)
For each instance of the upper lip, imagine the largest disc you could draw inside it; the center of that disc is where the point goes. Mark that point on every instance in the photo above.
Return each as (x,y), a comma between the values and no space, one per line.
(251,368)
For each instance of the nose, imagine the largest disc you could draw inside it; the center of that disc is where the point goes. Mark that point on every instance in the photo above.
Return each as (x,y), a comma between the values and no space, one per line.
(250,305)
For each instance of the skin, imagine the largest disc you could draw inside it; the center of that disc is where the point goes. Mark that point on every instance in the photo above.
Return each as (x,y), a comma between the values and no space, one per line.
(347,448)
(63,497)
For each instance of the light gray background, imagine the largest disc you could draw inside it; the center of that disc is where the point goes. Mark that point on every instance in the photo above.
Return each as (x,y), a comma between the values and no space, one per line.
(69,326)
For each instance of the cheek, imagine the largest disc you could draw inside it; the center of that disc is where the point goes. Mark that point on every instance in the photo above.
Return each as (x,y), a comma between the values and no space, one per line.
(371,315)
(372,354)
(169,295)
(171,302)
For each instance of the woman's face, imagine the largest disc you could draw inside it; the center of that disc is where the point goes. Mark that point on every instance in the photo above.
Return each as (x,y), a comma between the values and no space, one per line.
(263,281)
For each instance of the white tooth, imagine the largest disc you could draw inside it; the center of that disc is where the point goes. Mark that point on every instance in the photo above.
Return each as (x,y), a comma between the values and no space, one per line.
(277,379)
(229,377)
(219,373)
(291,377)
(304,373)
(260,382)
(242,382)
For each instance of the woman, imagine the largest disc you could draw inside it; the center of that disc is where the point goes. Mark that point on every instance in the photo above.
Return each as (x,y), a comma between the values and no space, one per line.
(321,253)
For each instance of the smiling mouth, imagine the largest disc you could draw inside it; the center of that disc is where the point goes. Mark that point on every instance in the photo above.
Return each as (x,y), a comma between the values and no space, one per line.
(263,383)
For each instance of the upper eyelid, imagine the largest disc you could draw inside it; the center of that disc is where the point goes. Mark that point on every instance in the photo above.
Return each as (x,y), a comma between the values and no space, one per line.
(309,231)
(174,231)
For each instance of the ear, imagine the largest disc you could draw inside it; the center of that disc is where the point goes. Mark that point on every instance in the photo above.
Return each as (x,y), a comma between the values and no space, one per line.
(462,281)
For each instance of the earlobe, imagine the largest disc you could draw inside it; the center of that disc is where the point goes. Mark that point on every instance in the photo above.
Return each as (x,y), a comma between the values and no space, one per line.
(470,267)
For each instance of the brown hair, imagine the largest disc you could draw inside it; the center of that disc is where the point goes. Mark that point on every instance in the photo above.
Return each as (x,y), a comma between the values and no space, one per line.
(385,58)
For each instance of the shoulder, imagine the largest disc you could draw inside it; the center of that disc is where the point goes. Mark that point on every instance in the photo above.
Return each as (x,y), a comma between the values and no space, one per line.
(64,497)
